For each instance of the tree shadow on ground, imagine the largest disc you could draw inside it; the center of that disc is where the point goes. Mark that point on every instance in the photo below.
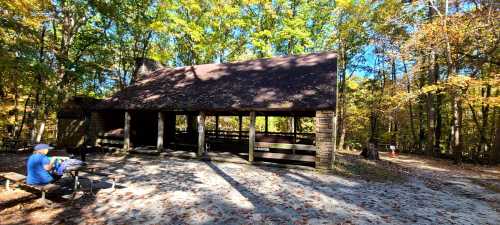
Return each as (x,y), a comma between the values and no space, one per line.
(263,195)
(275,209)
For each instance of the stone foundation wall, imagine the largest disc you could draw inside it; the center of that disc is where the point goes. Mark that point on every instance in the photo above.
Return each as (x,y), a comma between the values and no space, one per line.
(324,144)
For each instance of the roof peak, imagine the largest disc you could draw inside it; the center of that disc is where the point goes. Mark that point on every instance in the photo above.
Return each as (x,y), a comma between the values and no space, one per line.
(277,57)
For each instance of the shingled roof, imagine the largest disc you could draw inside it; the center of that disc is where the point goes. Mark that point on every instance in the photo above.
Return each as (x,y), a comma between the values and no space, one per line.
(299,83)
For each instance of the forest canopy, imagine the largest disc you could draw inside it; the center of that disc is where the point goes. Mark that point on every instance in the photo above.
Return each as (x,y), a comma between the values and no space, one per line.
(422,75)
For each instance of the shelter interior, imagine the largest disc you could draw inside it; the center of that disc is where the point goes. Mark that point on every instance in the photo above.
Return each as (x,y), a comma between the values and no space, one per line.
(279,136)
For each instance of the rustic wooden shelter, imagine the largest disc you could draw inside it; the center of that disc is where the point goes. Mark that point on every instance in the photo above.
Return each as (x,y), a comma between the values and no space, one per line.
(144,114)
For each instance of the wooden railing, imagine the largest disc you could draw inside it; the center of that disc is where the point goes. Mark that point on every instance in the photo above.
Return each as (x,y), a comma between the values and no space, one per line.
(294,147)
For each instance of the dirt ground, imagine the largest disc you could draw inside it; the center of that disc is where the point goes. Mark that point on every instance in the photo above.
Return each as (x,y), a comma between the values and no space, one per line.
(404,190)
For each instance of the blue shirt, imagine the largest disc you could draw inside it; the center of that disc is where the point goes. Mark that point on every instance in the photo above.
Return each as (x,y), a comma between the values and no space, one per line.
(36,172)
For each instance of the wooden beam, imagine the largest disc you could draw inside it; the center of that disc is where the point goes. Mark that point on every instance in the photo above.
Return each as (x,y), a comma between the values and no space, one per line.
(294,128)
(201,134)
(161,122)
(285,146)
(251,137)
(109,141)
(274,155)
(266,124)
(216,126)
(126,132)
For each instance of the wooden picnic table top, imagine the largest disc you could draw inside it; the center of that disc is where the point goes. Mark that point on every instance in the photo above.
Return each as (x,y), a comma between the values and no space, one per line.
(13,176)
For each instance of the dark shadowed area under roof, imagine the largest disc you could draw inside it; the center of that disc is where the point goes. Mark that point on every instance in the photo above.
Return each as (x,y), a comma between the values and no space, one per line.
(292,83)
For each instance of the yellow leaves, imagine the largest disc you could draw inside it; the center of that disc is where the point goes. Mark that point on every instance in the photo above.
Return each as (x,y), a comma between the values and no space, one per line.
(261,41)
(429,89)
(455,82)
(466,37)
(476,100)
(27,12)
(158,26)
(294,28)
(468,89)
(346,4)
(452,84)
(352,85)
(343,3)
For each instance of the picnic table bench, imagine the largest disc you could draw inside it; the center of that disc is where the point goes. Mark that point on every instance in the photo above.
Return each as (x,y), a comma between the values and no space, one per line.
(20,179)
(10,145)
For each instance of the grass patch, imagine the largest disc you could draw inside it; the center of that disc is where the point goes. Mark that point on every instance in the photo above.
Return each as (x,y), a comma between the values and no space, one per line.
(377,171)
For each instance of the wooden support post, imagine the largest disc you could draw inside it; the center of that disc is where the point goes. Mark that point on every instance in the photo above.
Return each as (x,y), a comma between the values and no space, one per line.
(294,127)
(126,132)
(161,122)
(266,124)
(251,137)
(201,134)
(240,126)
(7,185)
(216,126)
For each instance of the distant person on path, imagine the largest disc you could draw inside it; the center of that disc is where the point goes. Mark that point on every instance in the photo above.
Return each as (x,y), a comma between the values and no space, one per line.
(393,150)
(39,166)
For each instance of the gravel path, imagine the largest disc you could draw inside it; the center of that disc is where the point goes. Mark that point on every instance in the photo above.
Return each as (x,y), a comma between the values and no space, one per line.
(172,191)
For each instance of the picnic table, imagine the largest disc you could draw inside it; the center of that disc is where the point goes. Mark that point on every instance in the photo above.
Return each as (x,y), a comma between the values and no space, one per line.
(74,171)
(93,171)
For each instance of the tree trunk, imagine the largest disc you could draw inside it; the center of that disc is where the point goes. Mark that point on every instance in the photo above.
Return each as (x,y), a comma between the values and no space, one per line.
(439,125)
(371,150)
(450,137)
(421,132)
(40,131)
(42,124)
(485,108)
(412,122)
(16,110)
(38,89)
(496,150)
(34,119)
(342,138)
(335,124)
(431,111)
(393,119)
(457,123)
(342,98)
(19,133)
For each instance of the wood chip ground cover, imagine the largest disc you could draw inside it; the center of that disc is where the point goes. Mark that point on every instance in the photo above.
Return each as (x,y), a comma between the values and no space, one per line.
(174,191)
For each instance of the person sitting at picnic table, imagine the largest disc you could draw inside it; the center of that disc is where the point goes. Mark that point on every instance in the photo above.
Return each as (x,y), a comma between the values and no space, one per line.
(39,166)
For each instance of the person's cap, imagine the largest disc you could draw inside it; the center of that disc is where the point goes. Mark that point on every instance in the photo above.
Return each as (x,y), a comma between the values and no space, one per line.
(42,147)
